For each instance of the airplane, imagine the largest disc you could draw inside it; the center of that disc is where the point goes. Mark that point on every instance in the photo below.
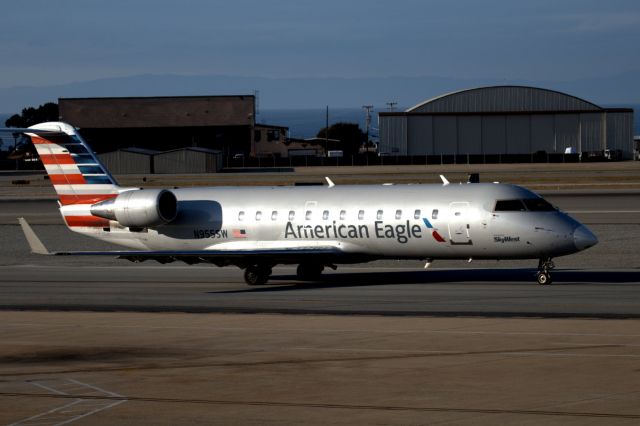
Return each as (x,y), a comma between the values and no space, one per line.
(314,227)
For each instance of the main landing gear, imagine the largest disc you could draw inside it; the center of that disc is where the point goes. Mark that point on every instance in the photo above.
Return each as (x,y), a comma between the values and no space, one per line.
(257,274)
(309,271)
(544,275)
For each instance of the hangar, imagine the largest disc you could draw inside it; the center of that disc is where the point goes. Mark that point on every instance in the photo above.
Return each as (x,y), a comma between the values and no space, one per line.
(506,120)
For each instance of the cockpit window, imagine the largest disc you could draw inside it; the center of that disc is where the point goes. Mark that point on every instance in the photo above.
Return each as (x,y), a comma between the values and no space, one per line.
(509,206)
(538,205)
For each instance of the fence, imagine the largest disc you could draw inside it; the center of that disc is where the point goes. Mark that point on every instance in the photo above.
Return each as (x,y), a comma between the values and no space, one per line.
(374,160)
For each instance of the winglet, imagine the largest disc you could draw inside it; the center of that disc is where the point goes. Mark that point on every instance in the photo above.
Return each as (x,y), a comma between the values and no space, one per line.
(330,182)
(35,244)
(445,182)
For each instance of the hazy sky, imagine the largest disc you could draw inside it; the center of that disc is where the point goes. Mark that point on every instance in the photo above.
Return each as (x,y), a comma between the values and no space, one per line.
(48,42)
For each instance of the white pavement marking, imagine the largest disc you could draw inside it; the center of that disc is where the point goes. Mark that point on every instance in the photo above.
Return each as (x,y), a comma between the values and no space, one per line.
(62,415)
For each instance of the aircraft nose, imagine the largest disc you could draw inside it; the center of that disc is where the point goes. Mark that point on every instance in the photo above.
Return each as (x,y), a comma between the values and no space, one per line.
(583,238)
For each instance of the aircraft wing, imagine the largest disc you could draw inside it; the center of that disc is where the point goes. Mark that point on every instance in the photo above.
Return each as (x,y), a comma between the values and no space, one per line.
(218,257)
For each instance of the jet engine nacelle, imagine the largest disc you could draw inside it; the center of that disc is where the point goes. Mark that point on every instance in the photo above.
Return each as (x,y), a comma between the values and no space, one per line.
(139,208)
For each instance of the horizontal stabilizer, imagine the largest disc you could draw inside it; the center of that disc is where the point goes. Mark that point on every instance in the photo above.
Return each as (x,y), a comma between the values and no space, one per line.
(34,131)
(35,244)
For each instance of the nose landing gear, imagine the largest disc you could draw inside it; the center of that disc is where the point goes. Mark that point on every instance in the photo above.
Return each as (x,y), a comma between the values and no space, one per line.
(544,275)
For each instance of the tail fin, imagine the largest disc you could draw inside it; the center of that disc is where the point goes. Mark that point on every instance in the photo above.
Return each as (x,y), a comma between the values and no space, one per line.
(75,172)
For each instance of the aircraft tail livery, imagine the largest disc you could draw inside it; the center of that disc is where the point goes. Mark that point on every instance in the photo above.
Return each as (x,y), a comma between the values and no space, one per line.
(79,179)
(256,228)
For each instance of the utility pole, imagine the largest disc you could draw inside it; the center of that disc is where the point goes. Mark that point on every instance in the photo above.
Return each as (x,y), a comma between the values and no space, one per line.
(367,122)
(326,132)
(391,105)
(256,95)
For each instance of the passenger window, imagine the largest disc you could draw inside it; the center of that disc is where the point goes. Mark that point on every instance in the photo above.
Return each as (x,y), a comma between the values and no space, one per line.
(509,206)
(241,216)
(379,215)
(416,214)
(308,215)
(343,214)
(258,215)
(274,215)
(325,215)
(292,215)
(361,215)
(398,214)
(434,214)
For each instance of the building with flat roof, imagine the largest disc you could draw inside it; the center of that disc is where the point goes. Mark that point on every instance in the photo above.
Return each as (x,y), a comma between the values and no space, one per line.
(506,120)
(223,123)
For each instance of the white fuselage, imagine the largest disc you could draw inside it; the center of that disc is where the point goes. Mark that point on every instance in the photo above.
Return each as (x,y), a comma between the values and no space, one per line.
(380,221)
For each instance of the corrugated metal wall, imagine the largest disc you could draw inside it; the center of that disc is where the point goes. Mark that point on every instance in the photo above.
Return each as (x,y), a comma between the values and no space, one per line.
(543,133)
(187,161)
(123,162)
(445,134)
(506,134)
(620,132)
(420,135)
(469,122)
(567,131)
(518,132)
(494,134)
(470,134)
(591,132)
(393,135)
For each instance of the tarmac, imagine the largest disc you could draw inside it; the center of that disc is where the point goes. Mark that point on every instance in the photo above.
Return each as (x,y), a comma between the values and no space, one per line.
(103,341)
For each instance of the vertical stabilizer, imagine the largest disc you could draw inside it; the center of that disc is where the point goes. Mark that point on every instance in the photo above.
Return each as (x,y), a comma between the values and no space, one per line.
(77,175)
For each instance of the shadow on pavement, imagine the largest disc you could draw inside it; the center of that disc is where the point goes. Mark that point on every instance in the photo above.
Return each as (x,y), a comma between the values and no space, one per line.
(566,277)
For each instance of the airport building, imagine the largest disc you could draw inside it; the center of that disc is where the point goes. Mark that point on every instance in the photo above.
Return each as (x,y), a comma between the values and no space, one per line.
(222,123)
(506,120)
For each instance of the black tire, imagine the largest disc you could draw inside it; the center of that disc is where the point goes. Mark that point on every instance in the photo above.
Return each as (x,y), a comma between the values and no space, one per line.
(309,271)
(543,278)
(255,275)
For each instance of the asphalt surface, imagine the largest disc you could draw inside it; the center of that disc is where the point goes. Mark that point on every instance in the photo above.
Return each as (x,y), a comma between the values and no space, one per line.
(103,341)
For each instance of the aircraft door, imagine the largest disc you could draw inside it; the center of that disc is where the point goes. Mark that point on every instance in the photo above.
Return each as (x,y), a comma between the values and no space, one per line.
(459,223)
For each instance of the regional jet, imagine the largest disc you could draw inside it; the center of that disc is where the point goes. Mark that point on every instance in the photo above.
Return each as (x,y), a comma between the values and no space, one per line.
(257,228)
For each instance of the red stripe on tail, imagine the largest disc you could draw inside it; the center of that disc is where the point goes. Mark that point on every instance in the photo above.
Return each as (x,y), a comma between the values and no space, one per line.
(66,200)
(37,140)
(90,221)
(74,179)
(52,159)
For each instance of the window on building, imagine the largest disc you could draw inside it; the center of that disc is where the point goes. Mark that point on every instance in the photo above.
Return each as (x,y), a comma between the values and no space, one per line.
(257,135)
(273,135)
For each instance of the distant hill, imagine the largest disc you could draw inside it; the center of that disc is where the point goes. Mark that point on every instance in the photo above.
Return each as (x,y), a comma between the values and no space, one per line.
(310,93)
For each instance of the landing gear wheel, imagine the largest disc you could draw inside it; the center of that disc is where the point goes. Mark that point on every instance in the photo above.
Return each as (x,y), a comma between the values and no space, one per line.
(544,278)
(309,271)
(257,275)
